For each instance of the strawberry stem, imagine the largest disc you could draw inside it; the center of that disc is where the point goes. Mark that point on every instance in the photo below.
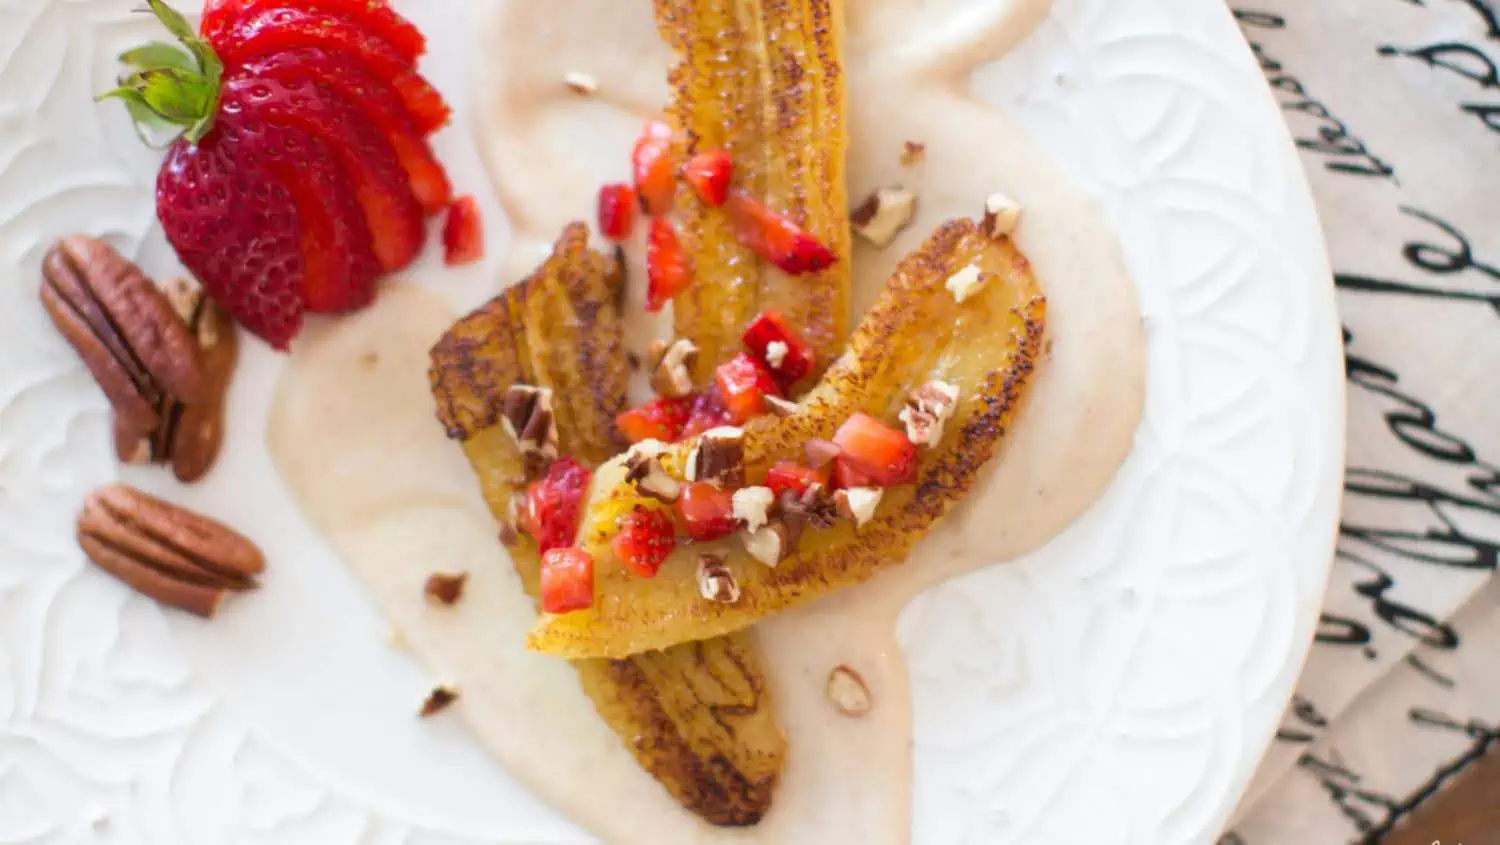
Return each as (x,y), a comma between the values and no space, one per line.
(172,91)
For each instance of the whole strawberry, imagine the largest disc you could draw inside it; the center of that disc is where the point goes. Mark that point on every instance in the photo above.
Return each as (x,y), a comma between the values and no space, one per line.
(288,188)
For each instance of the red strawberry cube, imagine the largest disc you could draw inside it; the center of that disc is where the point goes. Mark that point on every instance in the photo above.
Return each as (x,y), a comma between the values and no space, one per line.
(655,168)
(777,345)
(774,237)
(646,537)
(555,503)
(786,475)
(660,419)
(875,451)
(708,412)
(567,580)
(463,233)
(617,208)
(706,511)
(743,383)
(709,174)
(667,271)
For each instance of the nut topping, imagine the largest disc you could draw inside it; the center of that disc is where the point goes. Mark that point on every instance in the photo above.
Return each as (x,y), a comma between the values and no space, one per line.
(715,581)
(438,700)
(643,469)
(580,83)
(814,507)
(1001,216)
(927,410)
(847,690)
(123,327)
(769,544)
(718,458)
(858,503)
(526,414)
(671,374)
(883,215)
(177,557)
(913,153)
(445,588)
(966,282)
(752,506)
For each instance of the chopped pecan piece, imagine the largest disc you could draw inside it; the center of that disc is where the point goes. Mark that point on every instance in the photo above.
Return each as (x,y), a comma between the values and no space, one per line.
(771,543)
(1001,216)
(848,692)
(643,469)
(165,552)
(715,580)
(719,457)
(446,588)
(927,411)
(752,506)
(438,700)
(913,153)
(672,370)
(883,215)
(858,503)
(526,414)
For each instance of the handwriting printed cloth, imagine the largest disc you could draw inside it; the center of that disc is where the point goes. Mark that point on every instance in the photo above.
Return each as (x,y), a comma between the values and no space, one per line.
(1395,105)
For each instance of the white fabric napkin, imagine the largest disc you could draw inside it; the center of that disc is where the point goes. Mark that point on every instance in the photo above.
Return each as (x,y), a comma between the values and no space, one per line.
(1395,105)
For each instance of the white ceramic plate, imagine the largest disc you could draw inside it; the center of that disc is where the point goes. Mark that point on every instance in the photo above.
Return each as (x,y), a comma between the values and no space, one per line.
(1116,687)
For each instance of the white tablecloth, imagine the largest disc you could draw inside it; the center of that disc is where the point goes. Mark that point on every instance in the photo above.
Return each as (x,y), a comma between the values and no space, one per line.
(1395,105)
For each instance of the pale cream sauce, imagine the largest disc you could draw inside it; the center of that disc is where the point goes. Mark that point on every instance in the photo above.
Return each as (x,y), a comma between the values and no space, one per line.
(340,422)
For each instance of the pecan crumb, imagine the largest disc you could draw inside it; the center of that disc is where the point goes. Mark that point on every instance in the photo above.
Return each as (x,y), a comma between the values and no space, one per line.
(858,503)
(671,373)
(966,282)
(580,83)
(814,507)
(643,469)
(438,700)
(848,692)
(927,411)
(912,153)
(526,414)
(752,506)
(715,581)
(718,458)
(633,361)
(446,588)
(1001,216)
(883,215)
(769,544)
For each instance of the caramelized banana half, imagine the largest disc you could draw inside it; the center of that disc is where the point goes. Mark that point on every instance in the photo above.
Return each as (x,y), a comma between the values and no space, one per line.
(763,81)
(918,331)
(697,717)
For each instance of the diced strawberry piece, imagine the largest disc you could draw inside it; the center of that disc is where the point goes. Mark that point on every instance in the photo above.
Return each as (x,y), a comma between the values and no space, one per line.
(845,476)
(792,360)
(707,512)
(646,537)
(390,209)
(554,504)
(617,207)
(743,383)
(667,270)
(876,451)
(272,30)
(709,174)
(220,16)
(655,168)
(708,412)
(775,238)
(786,475)
(661,419)
(463,233)
(348,78)
(567,580)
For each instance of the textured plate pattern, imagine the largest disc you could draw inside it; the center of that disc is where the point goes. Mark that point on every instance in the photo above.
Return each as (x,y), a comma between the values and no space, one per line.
(1116,688)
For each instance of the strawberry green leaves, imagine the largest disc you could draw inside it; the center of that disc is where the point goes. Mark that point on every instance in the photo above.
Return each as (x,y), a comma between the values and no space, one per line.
(172,90)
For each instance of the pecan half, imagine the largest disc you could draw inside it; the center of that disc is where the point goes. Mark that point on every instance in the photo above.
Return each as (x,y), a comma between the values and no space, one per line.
(122,325)
(165,552)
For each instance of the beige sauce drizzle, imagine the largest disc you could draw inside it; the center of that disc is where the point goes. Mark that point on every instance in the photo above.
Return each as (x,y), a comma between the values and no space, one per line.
(548,149)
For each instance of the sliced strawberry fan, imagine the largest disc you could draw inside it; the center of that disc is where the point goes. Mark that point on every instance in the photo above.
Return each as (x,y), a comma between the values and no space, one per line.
(300,169)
